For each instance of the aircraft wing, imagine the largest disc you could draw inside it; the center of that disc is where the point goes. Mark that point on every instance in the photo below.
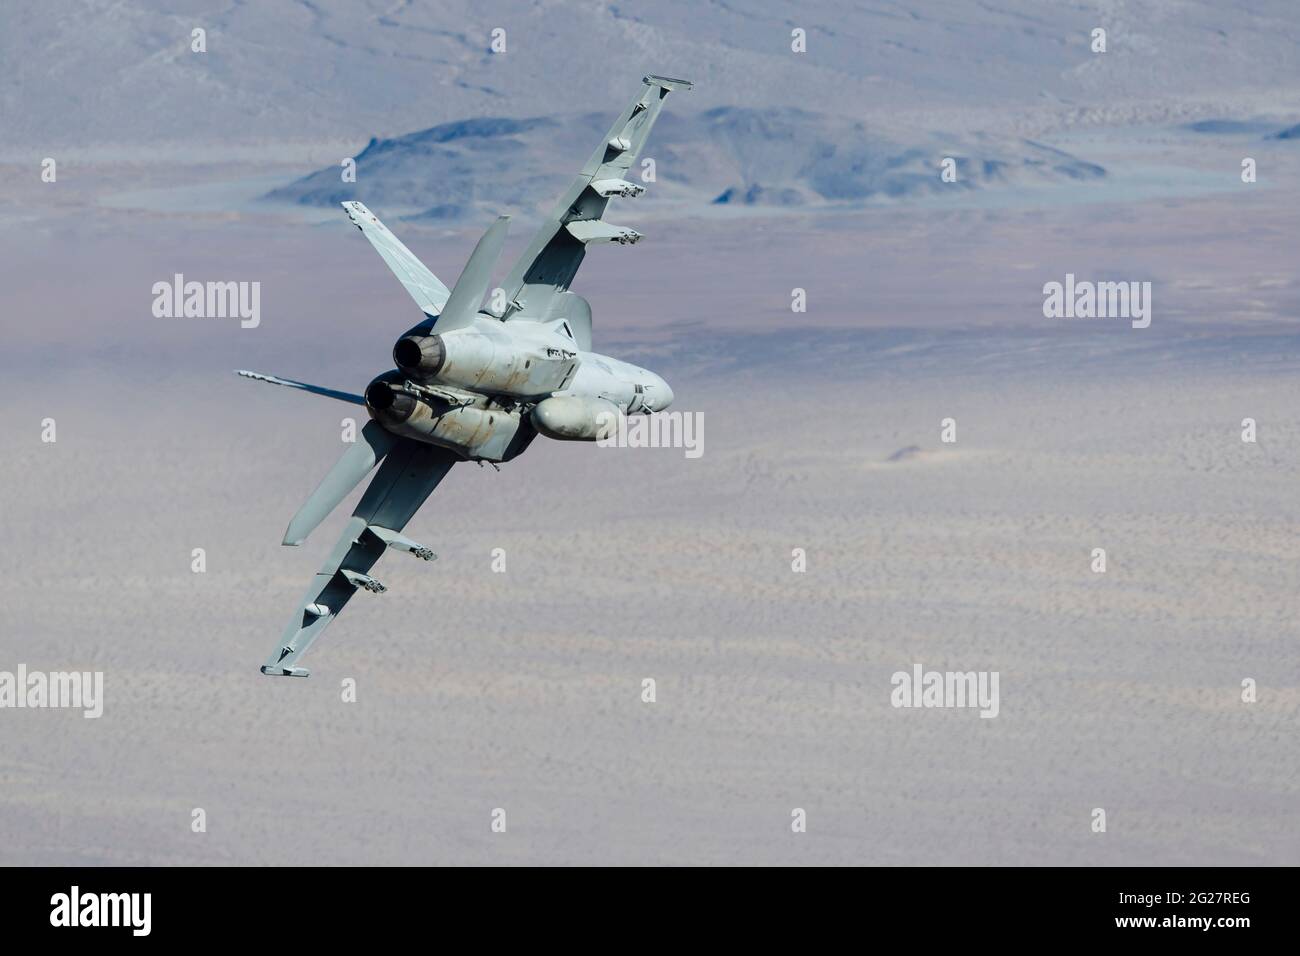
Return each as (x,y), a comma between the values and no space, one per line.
(407,477)
(551,260)
(424,287)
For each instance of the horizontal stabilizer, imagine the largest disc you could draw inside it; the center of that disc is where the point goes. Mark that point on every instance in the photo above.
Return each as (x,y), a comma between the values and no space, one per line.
(346,474)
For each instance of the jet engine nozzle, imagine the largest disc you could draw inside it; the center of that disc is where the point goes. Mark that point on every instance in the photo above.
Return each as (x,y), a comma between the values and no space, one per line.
(420,353)
(387,404)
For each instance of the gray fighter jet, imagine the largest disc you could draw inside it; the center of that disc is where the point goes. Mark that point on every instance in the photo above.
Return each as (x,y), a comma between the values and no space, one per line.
(476,382)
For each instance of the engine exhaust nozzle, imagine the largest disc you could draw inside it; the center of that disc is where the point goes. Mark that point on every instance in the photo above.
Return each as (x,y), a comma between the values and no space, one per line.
(420,353)
(387,404)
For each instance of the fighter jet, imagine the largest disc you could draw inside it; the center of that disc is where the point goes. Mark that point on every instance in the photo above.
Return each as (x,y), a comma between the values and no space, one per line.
(474,381)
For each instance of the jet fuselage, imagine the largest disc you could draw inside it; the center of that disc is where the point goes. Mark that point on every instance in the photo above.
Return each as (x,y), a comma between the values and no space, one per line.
(484,391)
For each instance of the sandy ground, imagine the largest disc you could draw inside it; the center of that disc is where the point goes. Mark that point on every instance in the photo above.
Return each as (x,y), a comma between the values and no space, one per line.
(521,690)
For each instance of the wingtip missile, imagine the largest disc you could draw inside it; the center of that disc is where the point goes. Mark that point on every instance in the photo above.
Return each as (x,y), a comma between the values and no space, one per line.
(668,82)
(270,671)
